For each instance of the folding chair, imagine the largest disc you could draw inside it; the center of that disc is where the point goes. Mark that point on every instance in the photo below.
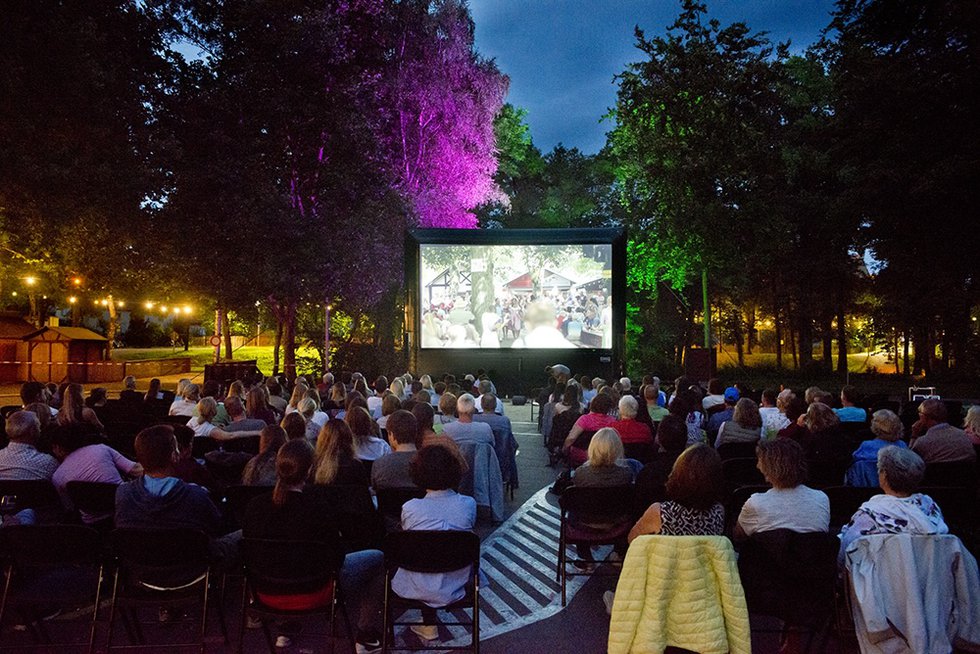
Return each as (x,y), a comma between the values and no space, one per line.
(159,568)
(277,568)
(94,498)
(237,498)
(741,471)
(845,501)
(390,502)
(51,566)
(431,552)
(737,450)
(37,494)
(592,516)
(733,507)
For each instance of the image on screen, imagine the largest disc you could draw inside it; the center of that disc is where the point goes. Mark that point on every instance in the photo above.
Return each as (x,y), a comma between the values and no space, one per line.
(516,296)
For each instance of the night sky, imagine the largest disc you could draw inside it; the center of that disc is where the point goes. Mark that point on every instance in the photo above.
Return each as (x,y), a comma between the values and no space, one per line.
(561,55)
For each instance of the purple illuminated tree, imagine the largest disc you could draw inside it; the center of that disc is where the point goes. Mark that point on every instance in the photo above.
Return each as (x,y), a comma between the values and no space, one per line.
(443,97)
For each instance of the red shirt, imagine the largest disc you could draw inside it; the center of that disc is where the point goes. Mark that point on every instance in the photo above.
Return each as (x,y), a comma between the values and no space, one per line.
(631,431)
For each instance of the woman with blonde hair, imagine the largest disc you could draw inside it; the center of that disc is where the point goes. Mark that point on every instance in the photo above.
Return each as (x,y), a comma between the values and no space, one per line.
(888,430)
(603,465)
(187,402)
(299,392)
(73,410)
(319,417)
(336,462)
(367,445)
(389,404)
(971,424)
(207,409)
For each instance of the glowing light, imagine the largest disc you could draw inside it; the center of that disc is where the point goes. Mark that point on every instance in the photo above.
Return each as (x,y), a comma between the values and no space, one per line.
(163,309)
(120,304)
(72,300)
(148,305)
(30,281)
(77,281)
(104,303)
(14,293)
(187,310)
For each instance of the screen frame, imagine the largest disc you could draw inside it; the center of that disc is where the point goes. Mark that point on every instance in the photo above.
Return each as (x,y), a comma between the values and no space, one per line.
(612,236)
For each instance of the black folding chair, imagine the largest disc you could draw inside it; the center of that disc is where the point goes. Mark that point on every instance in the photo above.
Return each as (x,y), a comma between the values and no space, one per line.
(591,516)
(94,498)
(962,474)
(431,552)
(51,566)
(160,568)
(37,494)
(288,567)
(390,502)
(845,501)
(237,498)
(741,471)
(737,450)
(733,507)
(361,527)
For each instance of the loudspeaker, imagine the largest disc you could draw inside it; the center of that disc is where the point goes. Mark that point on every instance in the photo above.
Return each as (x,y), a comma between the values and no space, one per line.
(700,364)
(519,400)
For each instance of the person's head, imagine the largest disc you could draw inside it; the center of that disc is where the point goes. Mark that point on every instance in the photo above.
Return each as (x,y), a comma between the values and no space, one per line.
(605,448)
(234,407)
(271,438)
(185,441)
(397,387)
(334,444)
(795,407)
(488,402)
(672,434)
(810,394)
(129,382)
(900,470)
(820,417)
(601,404)
(651,393)
(338,393)
(424,417)
(380,385)
(156,449)
(360,385)
(972,419)
(715,386)
(23,427)
(182,385)
(154,388)
(192,393)
(465,405)
(783,400)
(747,414)
(390,403)
(484,386)
(294,425)
(933,412)
(275,388)
(255,402)
(435,467)
(360,423)
(849,395)
(769,397)
(625,384)
(207,409)
(782,462)
(439,388)
(327,379)
(696,480)
(886,425)
(732,396)
(299,392)
(293,463)
(403,428)
(96,397)
(306,408)
(571,396)
(447,404)
(628,407)
(236,389)
(31,392)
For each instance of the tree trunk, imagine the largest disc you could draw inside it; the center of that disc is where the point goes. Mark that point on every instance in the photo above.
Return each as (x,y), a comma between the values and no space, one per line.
(289,340)
(905,352)
(827,338)
(111,327)
(229,355)
(898,370)
(841,340)
(777,323)
(805,346)
(277,344)
(739,348)
(750,329)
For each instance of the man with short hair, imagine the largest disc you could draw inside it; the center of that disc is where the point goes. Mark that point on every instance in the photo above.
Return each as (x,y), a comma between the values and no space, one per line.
(651,395)
(935,440)
(724,414)
(239,421)
(33,393)
(504,442)
(391,470)
(486,388)
(20,460)
(849,411)
(129,393)
(464,429)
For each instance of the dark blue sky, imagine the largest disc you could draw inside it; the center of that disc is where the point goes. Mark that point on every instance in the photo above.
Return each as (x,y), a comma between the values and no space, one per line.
(561,55)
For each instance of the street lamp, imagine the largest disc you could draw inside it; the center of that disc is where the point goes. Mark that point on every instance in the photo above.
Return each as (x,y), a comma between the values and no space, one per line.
(35,317)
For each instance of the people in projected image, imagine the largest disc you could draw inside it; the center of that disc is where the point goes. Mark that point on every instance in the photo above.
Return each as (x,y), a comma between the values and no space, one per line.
(541,318)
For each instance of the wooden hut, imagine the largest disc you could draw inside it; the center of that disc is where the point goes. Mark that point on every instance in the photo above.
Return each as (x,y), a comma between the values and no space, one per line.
(59,354)
(13,328)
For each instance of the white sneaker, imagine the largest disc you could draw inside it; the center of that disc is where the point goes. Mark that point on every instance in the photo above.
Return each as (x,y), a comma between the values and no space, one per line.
(607,598)
(427,632)
(283,641)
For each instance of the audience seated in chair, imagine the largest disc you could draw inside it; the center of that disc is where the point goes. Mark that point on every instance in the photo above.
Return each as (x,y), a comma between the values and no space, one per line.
(21,459)
(336,462)
(888,430)
(465,429)
(935,440)
(744,427)
(576,445)
(261,468)
(392,469)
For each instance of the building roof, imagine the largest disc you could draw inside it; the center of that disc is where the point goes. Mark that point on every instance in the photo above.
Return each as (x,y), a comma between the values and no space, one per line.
(13,326)
(64,334)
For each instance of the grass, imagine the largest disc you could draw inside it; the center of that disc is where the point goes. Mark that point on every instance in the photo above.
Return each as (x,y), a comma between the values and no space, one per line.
(200,356)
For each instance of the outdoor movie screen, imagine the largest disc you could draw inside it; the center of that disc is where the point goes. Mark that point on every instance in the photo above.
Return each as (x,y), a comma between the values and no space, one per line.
(516,296)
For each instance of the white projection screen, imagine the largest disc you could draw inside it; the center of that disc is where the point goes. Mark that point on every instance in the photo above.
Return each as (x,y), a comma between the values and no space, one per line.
(543,296)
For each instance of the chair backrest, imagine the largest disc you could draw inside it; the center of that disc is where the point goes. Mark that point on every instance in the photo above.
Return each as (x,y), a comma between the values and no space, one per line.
(956,473)
(391,500)
(285,567)
(201,445)
(238,497)
(249,444)
(358,520)
(845,501)
(642,452)
(164,558)
(608,503)
(92,496)
(790,575)
(737,450)
(741,471)
(31,493)
(737,500)
(432,551)
(50,545)
(959,507)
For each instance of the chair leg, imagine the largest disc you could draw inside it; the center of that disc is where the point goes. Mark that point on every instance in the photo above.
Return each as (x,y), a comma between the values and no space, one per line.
(476,613)
(244,614)
(112,609)
(95,611)
(387,629)
(204,610)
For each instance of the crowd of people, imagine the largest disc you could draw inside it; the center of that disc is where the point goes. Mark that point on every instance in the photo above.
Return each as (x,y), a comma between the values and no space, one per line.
(408,433)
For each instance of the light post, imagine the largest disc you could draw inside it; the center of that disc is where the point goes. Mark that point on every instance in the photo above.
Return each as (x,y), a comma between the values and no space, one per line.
(326,338)
(35,317)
